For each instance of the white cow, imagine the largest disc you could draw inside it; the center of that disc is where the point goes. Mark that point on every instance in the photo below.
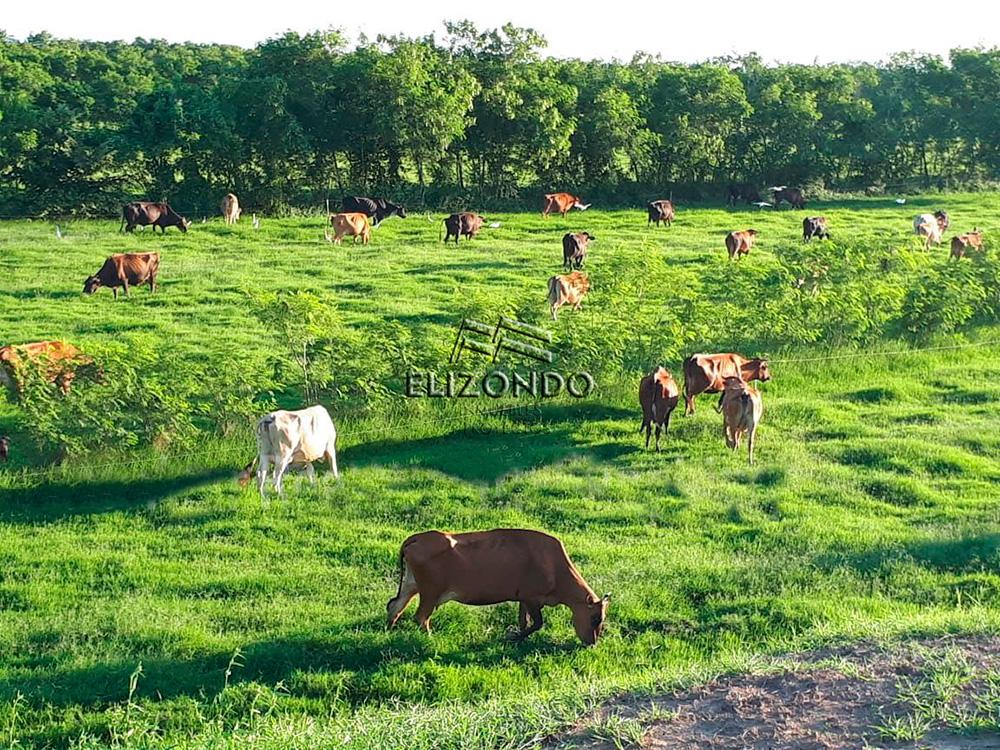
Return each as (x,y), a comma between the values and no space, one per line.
(230,208)
(929,226)
(294,437)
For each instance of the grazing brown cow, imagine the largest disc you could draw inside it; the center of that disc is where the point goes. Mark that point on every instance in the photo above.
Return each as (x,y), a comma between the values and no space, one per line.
(144,213)
(561,203)
(353,224)
(741,410)
(575,249)
(60,360)
(658,397)
(567,290)
(489,567)
(123,270)
(963,242)
(814,226)
(230,209)
(4,447)
(792,196)
(739,243)
(660,211)
(465,224)
(706,373)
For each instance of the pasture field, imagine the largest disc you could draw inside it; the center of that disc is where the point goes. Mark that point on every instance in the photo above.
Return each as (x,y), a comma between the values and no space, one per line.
(147,601)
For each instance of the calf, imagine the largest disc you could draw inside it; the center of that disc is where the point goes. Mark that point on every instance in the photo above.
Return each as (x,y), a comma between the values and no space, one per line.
(814,226)
(353,224)
(575,249)
(465,224)
(963,242)
(230,208)
(58,359)
(561,203)
(706,373)
(662,210)
(489,567)
(738,244)
(124,269)
(286,438)
(658,397)
(741,410)
(567,290)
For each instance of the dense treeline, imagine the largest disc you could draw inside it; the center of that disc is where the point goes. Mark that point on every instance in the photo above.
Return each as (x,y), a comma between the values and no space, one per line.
(84,125)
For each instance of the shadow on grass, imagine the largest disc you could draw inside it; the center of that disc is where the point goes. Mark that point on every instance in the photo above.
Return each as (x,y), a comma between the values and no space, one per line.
(54,500)
(477,455)
(966,554)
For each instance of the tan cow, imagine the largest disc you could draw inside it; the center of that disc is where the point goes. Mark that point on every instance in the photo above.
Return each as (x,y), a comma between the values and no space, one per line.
(658,397)
(741,411)
(568,289)
(706,373)
(60,361)
(231,209)
(739,243)
(353,224)
(963,242)
(489,567)
(561,203)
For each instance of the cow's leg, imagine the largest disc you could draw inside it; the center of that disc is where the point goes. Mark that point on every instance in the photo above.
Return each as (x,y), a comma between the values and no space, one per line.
(718,406)
(114,291)
(688,403)
(657,443)
(535,613)
(152,284)
(262,468)
(311,472)
(424,611)
(331,456)
(647,429)
(125,285)
(751,438)
(407,590)
(281,466)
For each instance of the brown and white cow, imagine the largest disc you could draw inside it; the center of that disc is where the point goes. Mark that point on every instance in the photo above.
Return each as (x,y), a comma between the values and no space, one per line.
(352,224)
(658,397)
(59,359)
(970,240)
(464,224)
(707,373)
(230,208)
(561,203)
(742,407)
(662,210)
(792,196)
(569,289)
(124,270)
(814,226)
(489,567)
(739,243)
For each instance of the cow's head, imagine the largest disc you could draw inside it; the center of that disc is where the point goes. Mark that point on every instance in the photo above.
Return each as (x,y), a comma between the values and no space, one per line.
(185,223)
(588,619)
(589,237)
(91,285)
(942,219)
(400,210)
(581,206)
(763,371)
(752,232)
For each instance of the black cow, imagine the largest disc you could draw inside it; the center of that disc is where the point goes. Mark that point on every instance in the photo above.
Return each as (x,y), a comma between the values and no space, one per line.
(742,191)
(378,209)
(465,224)
(144,213)
(575,249)
(814,226)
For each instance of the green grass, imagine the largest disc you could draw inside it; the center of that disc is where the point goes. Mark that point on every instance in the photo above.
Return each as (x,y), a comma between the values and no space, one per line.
(871,513)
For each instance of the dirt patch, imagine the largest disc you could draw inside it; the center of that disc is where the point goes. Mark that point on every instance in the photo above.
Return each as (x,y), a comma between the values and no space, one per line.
(940,694)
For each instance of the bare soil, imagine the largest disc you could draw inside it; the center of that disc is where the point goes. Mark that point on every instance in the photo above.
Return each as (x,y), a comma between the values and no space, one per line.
(840,698)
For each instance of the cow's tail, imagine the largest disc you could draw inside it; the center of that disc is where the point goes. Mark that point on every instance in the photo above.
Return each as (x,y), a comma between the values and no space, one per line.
(553,292)
(401,565)
(122,227)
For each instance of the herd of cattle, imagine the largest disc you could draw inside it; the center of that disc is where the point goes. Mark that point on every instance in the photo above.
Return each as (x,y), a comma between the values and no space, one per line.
(482,567)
